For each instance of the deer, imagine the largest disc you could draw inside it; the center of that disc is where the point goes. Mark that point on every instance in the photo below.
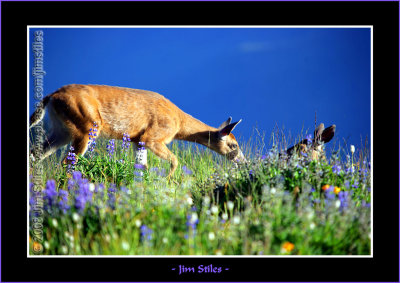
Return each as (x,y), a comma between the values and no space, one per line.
(146,116)
(315,149)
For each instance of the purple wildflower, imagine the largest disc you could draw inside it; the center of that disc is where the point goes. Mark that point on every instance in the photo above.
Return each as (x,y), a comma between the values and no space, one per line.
(186,170)
(50,193)
(92,137)
(111,148)
(126,142)
(146,233)
(71,157)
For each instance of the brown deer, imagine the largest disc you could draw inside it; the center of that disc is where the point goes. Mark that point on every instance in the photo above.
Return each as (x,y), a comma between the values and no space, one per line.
(144,115)
(321,136)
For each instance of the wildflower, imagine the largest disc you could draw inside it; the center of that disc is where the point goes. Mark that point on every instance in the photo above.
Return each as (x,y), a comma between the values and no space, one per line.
(189,200)
(236,219)
(336,169)
(110,148)
(140,166)
(64,249)
(63,203)
(206,200)
(325,187)
(141,154)
(329,193)
(211,236)
(225,216)
(230,205)
(309,139)
(186,170)
(312,226)
(336,190)
(111,196)
(76,175)
(214,209)
(193,220)
(71,158)
(139,173)
(337,203)
(51,192)
(75,217)
(146,232)
(352,149)
(54,222)
(138,223)
(125,142)
(287,247)
(92,137)
(125,245)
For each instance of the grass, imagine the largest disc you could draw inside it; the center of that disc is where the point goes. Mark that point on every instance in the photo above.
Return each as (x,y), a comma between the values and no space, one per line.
(271,206)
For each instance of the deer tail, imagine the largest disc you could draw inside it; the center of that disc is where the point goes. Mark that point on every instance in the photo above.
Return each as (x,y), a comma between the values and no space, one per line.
(38,115)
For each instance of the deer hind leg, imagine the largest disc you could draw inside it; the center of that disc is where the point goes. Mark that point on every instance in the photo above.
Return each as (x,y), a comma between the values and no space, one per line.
(162,151)
(58,138)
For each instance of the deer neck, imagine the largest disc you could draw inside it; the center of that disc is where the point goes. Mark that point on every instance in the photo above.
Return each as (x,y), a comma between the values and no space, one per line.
(194,130)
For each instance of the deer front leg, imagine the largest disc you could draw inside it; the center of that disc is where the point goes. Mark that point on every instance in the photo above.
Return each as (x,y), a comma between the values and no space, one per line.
(162,151)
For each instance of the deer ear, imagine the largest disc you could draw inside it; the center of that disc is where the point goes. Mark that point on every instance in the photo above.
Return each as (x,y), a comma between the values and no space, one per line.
(227,129)
(226,123)
(318,132)
(328,133)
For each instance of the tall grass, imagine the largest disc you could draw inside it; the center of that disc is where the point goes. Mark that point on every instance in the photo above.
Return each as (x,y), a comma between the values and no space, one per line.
(107,205)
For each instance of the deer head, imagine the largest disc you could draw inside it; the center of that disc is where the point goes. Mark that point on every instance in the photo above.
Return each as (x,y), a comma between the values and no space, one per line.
(225,142)
(321,136)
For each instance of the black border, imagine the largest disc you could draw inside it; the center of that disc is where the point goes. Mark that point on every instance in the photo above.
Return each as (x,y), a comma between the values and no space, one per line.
(383,16)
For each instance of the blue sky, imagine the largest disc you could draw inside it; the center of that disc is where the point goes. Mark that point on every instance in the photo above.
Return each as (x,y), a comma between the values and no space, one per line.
(266,76)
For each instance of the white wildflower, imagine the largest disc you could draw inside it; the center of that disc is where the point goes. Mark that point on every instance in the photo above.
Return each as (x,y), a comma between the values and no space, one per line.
(54,222)
(64,249)
(91,187)
(75,217)
(214,209)
(206,200)
(138,223)
(236,219)
(211,236)
(125,246)
(230,205)
(352,149)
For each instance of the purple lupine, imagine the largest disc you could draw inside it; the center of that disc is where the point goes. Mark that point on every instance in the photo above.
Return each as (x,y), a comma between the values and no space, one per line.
(71,157)
(111,148)
(186,170)
(83,195)
(309,139)
(146,233)
(92,137)
(336,169)
(126,142)
(111,196)
(50,193)
(63,202)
